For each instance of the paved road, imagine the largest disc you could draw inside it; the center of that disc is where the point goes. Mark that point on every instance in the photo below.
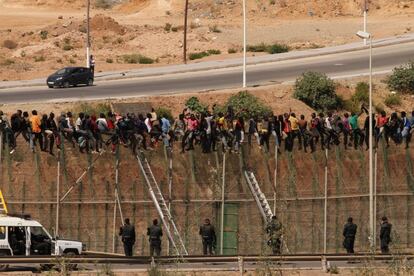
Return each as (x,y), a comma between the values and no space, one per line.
(340,65)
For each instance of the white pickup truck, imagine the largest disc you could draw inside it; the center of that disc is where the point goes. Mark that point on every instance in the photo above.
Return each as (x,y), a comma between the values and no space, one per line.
(21,236)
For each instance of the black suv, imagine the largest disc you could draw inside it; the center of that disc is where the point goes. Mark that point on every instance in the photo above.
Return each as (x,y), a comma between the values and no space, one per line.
(70,76)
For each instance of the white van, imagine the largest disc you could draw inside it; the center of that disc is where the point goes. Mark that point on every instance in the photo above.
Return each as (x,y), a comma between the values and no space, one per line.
(21,236)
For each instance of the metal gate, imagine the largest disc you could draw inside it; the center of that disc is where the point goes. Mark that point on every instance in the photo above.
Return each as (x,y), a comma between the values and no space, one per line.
(231,229)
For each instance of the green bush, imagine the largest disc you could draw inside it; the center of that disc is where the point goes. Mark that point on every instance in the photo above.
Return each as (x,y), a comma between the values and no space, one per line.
(271,49)
(195,105)
(232,51)
(213,52)
(246,105)
(137,58)
(199,55)
(39,59)
(83,29)
(392,100)
(317,91)
(109,60)
(43,34)
(92,109)
(277,48)
(402,79)
(67,47)
(257,48)
(361,94)
(167,27)
(164,112)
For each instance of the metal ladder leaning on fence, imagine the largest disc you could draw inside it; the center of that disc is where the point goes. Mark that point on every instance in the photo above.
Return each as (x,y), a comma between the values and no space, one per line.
(3,206)
(261,201)
(260,198)
(161,206)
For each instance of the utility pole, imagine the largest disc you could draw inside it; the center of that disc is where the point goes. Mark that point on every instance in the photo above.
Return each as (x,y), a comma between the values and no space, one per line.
(244,44)
(371,174)
(185,32)
(325,212)
(57,196)
(365,19)
(222,204)
(88,36)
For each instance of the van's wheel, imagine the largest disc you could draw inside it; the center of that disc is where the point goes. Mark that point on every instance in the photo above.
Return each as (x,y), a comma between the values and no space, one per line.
(90,82)
(66,84)
(4,267)
(69,266)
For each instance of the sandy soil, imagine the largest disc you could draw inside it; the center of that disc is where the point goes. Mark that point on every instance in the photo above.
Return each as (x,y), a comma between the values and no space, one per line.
(48,35)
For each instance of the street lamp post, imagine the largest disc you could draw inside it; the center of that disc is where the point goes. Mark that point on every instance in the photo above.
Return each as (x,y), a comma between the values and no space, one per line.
(185,32)
(244,43)
(372,215)
(365,19)
(88,37)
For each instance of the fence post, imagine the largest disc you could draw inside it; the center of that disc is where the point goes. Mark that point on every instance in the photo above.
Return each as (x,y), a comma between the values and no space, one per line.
(325,215)
(57,196)
(222,203)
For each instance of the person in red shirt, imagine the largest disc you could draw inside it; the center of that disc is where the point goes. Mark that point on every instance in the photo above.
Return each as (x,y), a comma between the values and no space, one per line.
(380,128)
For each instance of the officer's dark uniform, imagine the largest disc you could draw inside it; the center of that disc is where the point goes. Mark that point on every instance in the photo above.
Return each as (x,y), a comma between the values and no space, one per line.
(274,229)
(128,238)
(208,235)
(349,234)
(155,233)
(385,236)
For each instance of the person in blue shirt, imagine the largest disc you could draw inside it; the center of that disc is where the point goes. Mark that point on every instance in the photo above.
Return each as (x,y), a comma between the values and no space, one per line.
(165,128)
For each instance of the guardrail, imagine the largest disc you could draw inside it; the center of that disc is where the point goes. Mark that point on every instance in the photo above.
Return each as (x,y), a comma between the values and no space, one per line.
(100,259)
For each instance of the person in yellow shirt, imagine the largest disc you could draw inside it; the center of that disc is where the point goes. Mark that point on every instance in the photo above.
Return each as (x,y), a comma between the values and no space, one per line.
(294,124)
(36,131)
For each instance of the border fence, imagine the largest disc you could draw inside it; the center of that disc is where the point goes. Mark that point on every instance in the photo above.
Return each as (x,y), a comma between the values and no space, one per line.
(193,189)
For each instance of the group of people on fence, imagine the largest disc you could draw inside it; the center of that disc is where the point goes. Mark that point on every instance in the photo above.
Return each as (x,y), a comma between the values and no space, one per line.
(207,129)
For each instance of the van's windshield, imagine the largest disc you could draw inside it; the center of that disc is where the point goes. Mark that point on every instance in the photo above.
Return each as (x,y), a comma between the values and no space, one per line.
(39,232)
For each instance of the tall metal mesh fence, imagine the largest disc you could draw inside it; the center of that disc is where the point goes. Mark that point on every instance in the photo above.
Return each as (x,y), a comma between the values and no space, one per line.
(87,214)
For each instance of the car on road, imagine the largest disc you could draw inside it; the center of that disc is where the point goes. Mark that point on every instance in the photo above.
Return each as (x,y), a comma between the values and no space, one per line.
(70,76)
(22,236)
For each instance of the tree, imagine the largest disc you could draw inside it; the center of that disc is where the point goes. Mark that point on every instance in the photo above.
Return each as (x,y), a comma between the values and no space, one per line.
(317,90)
(402,79)
(246,105)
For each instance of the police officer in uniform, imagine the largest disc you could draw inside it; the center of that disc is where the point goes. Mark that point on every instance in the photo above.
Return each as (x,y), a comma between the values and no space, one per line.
(385,235)
(127,232)
(155,233)
(274,230)
(208,234)
(349,234)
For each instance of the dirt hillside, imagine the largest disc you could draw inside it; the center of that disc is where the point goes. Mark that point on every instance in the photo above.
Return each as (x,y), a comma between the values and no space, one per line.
(38,37)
